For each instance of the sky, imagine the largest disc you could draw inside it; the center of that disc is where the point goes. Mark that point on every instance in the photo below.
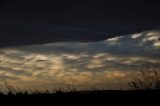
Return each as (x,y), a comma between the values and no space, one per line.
(86,44)
(108,64)
(30,22)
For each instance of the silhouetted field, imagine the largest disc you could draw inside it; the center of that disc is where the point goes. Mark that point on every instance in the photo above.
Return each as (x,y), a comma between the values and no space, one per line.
(147,85)
(92,93)
(73,92)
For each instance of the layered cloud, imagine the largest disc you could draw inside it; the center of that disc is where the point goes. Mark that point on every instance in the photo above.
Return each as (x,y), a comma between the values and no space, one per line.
(81,64)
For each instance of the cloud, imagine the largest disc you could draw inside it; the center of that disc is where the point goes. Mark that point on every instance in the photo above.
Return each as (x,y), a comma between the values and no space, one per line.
(111,61)
(38,22)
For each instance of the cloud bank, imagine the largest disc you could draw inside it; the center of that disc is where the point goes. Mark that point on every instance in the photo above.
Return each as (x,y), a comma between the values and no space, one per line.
(110,63)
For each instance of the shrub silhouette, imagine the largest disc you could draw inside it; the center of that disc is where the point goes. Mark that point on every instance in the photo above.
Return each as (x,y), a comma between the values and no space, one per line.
(148,80)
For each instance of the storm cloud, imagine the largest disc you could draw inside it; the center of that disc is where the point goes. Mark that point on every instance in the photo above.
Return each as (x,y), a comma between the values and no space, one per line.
(105,62)
(30,22)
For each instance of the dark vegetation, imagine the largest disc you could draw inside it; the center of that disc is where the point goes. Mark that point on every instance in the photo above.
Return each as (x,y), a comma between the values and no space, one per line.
(147,84)
(148,80)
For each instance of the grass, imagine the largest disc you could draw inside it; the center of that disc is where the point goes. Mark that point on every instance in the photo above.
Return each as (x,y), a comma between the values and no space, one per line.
(147,84)
(11,91)
(148,80)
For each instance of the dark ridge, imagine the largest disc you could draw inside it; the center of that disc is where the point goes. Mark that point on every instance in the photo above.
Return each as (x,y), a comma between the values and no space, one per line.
(94,93)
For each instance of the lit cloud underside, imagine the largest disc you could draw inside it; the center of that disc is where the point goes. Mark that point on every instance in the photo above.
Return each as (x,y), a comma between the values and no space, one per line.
(110,63)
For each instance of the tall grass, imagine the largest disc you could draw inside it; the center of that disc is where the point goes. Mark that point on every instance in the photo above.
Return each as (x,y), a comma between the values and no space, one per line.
(18,91)
(148,80)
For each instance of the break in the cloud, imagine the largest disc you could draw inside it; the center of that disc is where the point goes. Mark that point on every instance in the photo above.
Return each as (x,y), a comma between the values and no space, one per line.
(84,65)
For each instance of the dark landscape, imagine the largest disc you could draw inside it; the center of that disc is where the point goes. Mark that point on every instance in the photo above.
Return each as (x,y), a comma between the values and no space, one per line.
(107,49)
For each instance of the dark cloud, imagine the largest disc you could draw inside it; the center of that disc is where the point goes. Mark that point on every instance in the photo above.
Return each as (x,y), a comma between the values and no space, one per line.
(142,44)
(135,50)
(26,22)
(114,61)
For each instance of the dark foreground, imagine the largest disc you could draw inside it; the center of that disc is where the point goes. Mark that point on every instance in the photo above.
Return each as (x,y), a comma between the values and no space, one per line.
(93,93)
(82,97)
